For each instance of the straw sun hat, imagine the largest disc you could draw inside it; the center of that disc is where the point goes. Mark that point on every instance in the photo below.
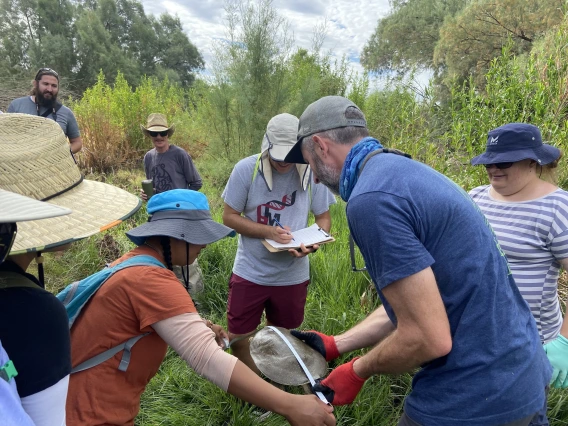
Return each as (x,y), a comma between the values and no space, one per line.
(35,161)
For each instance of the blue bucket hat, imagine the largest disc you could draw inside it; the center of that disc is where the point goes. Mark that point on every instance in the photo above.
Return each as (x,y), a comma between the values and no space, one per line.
(182,214)
(514,142)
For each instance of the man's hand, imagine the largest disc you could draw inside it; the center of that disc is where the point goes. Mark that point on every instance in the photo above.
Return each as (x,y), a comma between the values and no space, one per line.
(308,410)
(282,236)
(303,250)
(143,195)
(341,386)
(557,352)
(322,343)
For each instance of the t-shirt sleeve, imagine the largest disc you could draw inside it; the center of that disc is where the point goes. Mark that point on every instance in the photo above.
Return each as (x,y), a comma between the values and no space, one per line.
(72,126)
(385,228)
(158,296)
(559,233)
(11,107)
(322,198)
(191,174)
(238,186)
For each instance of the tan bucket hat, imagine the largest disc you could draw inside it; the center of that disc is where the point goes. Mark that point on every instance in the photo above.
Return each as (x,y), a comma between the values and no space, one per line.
(278,140)
(35,161)
(276,361)
(157,123)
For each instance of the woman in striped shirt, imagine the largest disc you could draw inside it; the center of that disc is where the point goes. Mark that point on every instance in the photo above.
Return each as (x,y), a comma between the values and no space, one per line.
(529,216)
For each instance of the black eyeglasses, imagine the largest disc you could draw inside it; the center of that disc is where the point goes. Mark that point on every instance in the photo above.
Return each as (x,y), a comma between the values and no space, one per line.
(46,71)
(154,134)
(500,166)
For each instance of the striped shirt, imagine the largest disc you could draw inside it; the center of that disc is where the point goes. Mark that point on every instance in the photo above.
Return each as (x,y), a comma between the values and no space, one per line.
(534,236)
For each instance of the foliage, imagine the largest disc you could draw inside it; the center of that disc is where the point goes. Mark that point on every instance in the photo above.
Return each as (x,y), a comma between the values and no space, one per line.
(80,38)
(405,39)
(257,76)
(471,39)
(110,118)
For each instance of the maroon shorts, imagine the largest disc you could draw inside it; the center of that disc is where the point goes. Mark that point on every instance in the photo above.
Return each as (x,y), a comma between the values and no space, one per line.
(284,305)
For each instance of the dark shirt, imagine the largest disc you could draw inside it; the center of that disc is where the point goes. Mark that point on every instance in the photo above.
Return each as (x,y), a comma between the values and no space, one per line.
(405,217)
(173,169)
(34,330)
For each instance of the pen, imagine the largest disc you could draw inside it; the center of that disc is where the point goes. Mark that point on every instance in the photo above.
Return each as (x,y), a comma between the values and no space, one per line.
(280,225)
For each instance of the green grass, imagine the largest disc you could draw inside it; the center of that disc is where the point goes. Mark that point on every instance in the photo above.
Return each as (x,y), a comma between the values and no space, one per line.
(337,299)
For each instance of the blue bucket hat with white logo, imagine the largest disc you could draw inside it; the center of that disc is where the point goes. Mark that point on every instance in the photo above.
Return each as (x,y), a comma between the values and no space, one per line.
(516,142)
(182,214)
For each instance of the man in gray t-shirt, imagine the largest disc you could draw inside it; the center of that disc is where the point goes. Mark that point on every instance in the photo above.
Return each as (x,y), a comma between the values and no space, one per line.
(169,166)
(43,102)
(261,193)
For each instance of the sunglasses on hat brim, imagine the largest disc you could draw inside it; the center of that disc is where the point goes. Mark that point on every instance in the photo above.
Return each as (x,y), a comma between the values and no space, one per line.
(500,166)
(46,71)
(162,133)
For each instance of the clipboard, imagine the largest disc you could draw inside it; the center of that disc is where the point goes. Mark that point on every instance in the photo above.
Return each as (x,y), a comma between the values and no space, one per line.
(308,236)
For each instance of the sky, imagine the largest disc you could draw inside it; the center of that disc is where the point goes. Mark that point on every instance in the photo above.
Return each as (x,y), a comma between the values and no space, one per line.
(350,23)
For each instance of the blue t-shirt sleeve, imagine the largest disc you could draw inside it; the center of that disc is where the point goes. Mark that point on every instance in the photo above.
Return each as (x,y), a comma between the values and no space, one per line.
(387,230)
(11,107)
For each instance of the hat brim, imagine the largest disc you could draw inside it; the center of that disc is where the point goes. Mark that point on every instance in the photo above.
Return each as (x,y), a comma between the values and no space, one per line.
(197,232)
(277,362)
(19,208)
(95,207)
(295,155)
(170,129)
(279,152)
(544,154)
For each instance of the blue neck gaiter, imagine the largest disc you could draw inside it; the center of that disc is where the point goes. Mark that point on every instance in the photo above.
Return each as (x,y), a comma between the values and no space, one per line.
(350,171)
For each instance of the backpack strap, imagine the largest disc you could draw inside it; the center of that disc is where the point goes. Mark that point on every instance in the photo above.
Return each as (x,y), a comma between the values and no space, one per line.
(109,353)
(10,279)
(53,110)
(370,155)
(126,347)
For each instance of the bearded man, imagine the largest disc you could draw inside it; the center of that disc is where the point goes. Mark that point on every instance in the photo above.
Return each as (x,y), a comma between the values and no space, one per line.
(43,102)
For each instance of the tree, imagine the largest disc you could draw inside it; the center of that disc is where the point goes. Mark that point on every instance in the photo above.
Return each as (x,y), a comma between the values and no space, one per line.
(470,40)
(406,38)
(250,75)
(80,37)
(36,33)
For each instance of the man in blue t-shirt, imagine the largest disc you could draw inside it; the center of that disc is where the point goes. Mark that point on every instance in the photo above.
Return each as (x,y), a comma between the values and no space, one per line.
(450,305)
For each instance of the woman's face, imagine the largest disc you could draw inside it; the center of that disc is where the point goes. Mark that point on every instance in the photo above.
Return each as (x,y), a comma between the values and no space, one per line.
(179,254)
(511,180)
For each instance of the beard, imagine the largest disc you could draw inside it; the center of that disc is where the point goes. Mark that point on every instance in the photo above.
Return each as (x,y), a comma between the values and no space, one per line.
(327,175)
(46,102)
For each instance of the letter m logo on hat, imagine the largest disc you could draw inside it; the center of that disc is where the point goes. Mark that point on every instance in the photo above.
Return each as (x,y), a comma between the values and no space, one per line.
(493,140)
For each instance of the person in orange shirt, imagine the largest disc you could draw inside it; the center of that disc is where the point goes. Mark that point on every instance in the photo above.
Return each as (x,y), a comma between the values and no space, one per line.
(142,299)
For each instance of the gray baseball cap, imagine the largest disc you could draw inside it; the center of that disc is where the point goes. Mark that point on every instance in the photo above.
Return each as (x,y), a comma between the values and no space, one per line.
(326,113)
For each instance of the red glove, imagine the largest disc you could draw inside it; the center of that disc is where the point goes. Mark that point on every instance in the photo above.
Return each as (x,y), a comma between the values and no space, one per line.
(322,343)
(341,386)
